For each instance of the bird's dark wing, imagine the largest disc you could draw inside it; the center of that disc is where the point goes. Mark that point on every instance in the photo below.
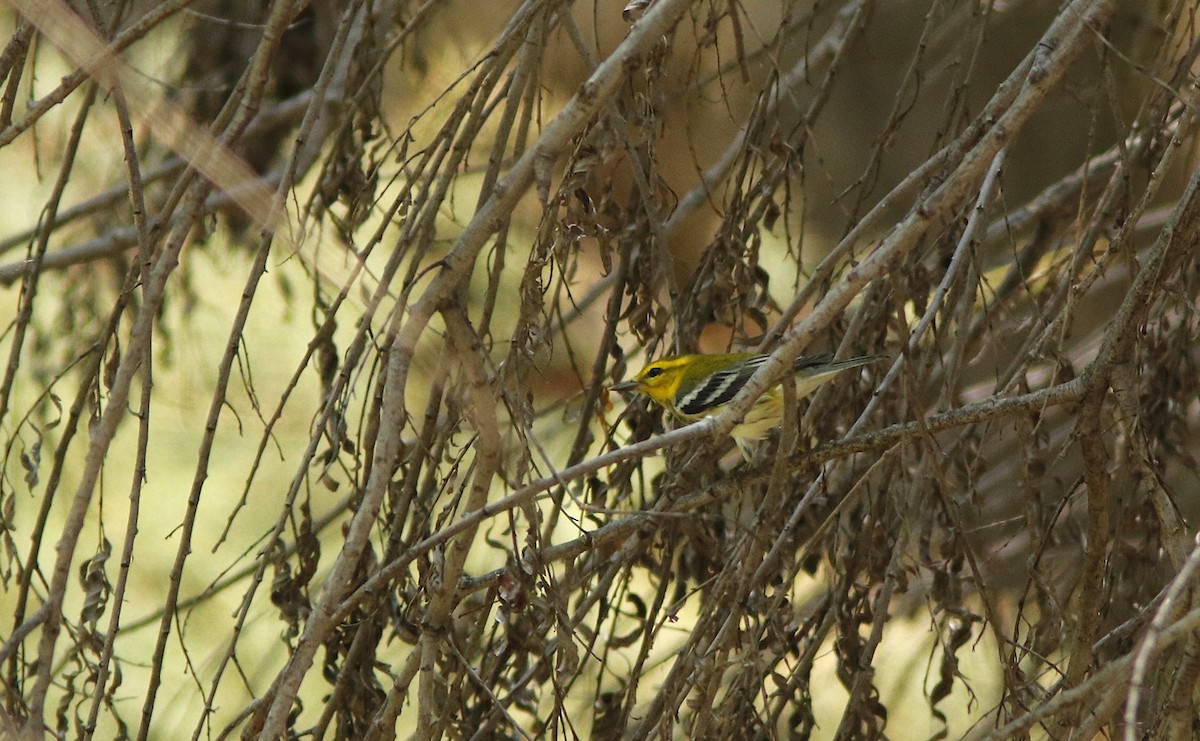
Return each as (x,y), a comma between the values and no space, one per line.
(720,387)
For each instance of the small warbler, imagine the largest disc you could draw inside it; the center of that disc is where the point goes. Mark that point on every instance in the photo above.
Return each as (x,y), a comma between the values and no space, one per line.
(695,386)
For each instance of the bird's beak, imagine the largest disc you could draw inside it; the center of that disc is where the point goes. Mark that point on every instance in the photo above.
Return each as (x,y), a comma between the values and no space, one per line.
(624,386)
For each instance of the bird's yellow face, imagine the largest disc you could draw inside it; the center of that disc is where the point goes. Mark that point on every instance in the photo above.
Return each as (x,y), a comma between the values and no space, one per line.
(659,380)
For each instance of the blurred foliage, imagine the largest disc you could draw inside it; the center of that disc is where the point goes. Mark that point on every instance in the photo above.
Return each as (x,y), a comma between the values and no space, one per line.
(315,307)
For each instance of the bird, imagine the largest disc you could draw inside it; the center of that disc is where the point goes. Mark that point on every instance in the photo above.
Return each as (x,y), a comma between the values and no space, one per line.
(695,386)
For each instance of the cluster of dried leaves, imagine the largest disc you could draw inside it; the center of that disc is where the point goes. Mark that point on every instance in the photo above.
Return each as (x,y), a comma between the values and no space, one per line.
(997,197)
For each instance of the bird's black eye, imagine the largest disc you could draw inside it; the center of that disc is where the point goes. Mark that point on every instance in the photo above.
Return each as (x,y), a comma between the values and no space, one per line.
(654,373)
